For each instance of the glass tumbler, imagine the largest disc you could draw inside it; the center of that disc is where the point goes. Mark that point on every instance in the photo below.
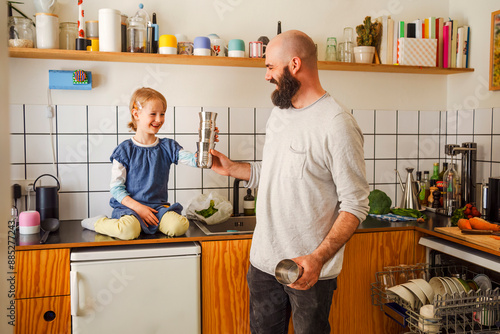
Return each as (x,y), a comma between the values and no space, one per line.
(349,45)
(331,49)
(68,33)
(402,274)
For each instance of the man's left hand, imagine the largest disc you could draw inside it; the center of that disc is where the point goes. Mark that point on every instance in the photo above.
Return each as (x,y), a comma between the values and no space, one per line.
(312,268)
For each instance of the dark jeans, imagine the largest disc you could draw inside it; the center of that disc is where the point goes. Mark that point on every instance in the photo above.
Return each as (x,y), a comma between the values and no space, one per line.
(271,304)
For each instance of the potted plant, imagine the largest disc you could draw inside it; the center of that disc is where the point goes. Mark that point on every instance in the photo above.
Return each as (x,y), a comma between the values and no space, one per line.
(367,40)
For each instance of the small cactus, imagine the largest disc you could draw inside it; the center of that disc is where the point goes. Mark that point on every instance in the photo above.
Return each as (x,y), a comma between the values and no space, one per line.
(368,32)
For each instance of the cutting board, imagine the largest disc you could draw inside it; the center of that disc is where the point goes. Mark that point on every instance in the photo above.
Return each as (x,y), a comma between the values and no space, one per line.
(481,240)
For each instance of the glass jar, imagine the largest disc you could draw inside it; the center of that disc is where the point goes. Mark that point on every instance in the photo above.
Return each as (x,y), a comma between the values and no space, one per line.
(136,34)
(21,32)
(331,49)
(68,33)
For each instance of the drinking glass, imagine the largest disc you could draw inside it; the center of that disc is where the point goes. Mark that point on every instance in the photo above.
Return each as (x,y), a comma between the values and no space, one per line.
(340,51)
(402,274)
(422,271)
(331,49)
(386,278)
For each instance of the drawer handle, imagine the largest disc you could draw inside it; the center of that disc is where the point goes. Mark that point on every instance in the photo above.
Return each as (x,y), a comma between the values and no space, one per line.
(49,316)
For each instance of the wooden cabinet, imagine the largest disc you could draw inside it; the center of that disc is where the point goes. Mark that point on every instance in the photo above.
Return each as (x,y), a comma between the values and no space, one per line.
(225,298)
(43,291)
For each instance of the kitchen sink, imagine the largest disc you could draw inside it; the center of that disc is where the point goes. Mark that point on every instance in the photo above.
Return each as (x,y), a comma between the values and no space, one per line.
(234,225)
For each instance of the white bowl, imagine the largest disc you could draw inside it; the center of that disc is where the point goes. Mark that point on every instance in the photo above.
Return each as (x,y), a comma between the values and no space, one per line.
(404,293)
(438,286)
(451,285)
(415,289)
(426,288)
(483,282)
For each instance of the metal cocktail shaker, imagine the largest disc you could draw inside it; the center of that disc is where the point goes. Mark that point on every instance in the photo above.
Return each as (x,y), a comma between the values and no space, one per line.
(206,141)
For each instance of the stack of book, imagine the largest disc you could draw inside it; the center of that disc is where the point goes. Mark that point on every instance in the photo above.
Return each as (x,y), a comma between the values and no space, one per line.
(452,41)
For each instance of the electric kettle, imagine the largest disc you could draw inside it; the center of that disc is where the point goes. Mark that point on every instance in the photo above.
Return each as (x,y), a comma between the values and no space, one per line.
(47,199)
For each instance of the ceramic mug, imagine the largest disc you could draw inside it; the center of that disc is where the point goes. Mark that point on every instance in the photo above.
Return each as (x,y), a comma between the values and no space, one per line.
(185,48)
(218,47)
(487,316)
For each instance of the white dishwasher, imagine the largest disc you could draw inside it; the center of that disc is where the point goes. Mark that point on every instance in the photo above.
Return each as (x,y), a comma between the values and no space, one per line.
(136,289)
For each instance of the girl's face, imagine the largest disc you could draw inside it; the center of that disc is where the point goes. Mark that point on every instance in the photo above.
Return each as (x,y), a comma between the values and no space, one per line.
(150,118)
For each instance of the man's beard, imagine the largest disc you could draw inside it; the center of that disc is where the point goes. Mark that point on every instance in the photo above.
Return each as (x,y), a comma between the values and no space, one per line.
(288,86)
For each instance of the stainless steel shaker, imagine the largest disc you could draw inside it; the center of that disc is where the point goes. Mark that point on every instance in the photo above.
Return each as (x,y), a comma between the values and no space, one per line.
(206,141)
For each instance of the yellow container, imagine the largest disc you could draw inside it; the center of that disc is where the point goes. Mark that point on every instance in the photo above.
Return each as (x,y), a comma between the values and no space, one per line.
(167,40)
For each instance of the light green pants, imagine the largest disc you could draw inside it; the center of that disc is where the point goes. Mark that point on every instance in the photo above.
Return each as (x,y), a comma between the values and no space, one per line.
(128,227)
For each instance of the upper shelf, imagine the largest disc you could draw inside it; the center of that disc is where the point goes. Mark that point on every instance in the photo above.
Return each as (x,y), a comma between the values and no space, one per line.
(128,57)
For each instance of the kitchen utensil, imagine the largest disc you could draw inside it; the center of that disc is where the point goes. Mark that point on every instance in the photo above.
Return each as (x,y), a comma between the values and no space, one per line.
(48,225)
(409,200)
(29,222)
(415,289)
(185,48)
(137,34)
(287,271)
(47,199)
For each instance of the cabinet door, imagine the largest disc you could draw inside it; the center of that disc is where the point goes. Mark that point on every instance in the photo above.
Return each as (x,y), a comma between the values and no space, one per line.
(43,315)
(225,297)
(42,273)
(365,254)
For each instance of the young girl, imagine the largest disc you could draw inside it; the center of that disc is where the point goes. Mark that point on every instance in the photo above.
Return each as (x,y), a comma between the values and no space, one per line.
(139,176)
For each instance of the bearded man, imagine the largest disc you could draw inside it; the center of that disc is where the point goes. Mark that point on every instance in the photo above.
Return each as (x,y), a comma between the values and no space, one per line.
(313,192)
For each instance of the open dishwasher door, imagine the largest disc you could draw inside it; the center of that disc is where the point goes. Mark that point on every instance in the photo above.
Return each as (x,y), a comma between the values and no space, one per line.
(136,289)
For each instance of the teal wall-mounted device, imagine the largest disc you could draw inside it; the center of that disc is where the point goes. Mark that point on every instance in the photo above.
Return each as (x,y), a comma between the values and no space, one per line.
(66,80)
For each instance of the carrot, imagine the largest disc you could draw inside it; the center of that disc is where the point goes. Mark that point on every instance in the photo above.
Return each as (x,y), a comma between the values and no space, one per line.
(481,224)
(464,224)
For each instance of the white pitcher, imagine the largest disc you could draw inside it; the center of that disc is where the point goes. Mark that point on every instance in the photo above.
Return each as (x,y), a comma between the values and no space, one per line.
(45,6)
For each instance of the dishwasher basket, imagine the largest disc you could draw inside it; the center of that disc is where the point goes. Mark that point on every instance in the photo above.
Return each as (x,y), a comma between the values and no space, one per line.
(454,313)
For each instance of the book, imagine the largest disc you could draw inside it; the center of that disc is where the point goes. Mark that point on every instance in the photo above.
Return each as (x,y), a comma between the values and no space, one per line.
(390,40)
(466,46)
(446,45)
(439,37)
(401,33)
(432,27)
(410,30)
(395,43)
(460,47)
(383,41)
(454,42)
(426,28)
(418,28)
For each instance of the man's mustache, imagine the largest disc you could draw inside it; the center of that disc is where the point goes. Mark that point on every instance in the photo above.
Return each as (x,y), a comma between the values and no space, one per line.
(273,81)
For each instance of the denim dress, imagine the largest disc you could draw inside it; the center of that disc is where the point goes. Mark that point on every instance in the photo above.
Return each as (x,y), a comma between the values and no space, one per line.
(147,178)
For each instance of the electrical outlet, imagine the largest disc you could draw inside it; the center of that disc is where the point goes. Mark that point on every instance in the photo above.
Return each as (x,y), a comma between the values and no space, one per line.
(25,185)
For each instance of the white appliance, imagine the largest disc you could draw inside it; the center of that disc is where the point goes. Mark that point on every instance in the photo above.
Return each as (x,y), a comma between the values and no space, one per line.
(136,289)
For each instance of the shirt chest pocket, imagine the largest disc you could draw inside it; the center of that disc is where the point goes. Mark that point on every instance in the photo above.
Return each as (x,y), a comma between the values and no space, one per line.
(294,162)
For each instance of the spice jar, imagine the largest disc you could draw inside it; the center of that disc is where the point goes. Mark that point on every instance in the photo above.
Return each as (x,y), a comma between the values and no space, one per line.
(21,32)
(68,33)
(136,34)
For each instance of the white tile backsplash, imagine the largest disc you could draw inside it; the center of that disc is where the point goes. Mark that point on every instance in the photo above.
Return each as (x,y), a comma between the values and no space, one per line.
(72,148)
(407,122)
(465,121)
(101,147)
(33,171)
(102,119)
(392,139)
(36,119)
(72,119)
(38,149)
(385,121)
(16,118)
(241,120)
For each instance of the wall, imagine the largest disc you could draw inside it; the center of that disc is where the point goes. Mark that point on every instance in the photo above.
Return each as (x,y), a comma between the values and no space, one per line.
(4,182)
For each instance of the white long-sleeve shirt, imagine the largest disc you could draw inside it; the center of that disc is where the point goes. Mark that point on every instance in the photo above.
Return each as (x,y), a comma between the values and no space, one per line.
(312,168)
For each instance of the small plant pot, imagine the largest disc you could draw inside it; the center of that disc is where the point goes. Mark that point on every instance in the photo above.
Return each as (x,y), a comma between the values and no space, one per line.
(364,54)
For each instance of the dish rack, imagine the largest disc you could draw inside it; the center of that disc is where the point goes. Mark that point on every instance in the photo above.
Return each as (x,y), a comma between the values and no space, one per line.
(454,313)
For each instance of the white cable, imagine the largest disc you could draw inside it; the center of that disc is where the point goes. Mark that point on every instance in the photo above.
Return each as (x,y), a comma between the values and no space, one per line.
(29,199)
(50,116)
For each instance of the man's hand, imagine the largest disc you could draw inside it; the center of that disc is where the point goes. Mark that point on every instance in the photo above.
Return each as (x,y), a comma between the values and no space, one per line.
(312,269)
(220,163)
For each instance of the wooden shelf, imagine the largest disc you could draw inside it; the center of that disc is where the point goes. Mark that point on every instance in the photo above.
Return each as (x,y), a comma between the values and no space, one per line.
(127,57)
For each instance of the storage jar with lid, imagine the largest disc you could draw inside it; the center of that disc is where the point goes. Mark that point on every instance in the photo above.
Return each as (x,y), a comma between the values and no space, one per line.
(68,33)
(136,34)
(21,32)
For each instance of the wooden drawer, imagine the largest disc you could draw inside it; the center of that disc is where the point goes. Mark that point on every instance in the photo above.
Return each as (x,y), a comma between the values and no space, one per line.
(43,315)
(42,273)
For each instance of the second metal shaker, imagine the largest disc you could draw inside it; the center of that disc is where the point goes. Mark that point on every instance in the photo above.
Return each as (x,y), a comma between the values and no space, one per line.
(206,141)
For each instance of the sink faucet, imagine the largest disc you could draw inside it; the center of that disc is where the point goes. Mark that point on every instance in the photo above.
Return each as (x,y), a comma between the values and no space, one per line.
(236,197)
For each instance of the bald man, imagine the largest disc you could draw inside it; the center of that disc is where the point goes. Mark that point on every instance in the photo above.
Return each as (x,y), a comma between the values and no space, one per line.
(312,194)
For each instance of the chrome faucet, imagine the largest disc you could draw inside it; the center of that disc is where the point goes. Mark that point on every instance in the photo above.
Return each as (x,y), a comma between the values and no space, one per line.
(468,170)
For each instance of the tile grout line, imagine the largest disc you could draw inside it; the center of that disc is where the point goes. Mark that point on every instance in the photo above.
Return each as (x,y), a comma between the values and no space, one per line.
(88,161)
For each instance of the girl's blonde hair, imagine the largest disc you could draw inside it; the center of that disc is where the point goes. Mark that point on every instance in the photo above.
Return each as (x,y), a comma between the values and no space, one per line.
(139,99)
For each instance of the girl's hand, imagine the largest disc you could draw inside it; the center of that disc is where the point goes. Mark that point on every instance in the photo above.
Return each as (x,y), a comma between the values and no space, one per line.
(216,134)
(147,214)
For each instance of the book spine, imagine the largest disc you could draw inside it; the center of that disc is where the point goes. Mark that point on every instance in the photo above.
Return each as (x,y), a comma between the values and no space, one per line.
(460,47)
(432,27)
(439,36)
(446,39)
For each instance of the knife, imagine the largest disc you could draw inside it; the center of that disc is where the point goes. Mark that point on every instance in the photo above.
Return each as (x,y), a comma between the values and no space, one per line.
(480,232)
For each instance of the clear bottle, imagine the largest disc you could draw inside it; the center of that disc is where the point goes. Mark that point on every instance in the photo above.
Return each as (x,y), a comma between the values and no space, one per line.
(68,33)
(249,204)
(435,174)
(137,34)
(424,189)
(440,180)
(451,187)
(21,32)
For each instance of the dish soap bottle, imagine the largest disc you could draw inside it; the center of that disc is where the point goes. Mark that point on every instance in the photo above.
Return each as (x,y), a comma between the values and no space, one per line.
(249,204)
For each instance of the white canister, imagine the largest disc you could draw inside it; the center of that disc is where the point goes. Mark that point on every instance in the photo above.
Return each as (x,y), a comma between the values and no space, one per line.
(47,31)
(110,38)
